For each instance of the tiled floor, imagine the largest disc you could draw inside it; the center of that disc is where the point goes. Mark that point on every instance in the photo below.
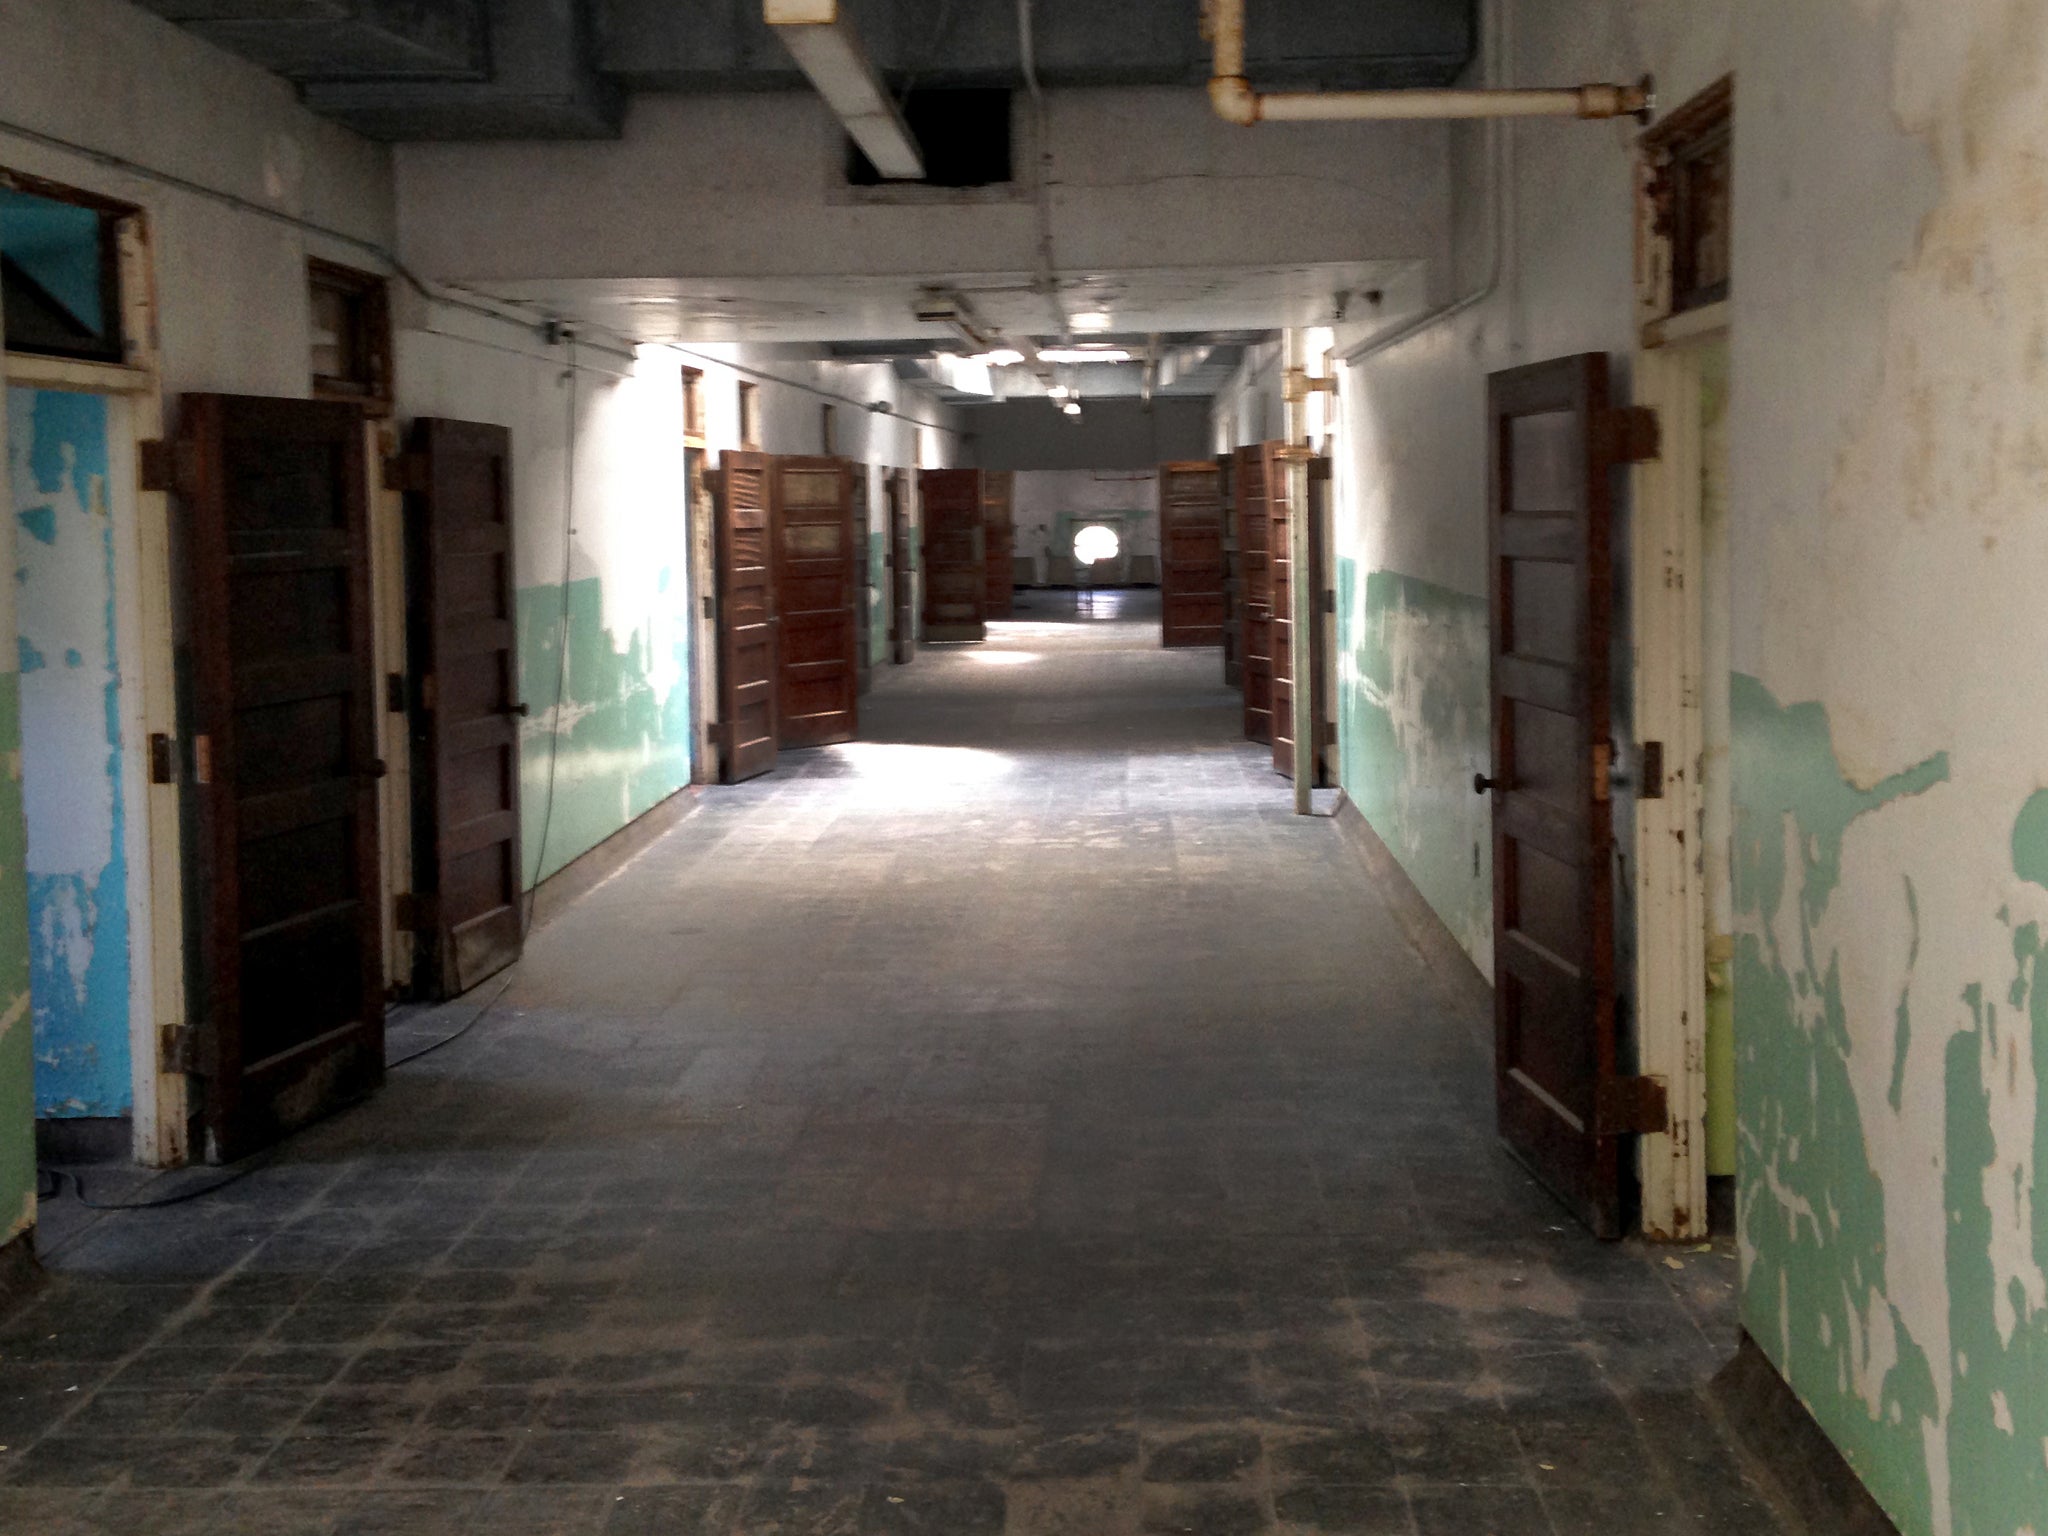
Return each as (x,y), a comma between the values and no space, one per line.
(1016,1122)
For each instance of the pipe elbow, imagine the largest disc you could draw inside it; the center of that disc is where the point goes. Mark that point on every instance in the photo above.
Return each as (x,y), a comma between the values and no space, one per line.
(1234,99)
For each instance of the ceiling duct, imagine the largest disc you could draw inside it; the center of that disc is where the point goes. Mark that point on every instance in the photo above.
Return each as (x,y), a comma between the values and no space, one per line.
(323,40)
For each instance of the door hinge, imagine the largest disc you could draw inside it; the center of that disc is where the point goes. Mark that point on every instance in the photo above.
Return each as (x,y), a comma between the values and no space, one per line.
(1652,787)
(1631,1106)
(1327,733)
(406,472)
(167,465)
(1603,771)
(163,759)
(395,701)
(1633,434)
(1326,602)
(413,913)
(177,1048)
(202,759)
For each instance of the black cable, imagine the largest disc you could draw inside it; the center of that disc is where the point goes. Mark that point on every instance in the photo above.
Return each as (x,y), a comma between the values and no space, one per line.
(449,1039)
(547,819)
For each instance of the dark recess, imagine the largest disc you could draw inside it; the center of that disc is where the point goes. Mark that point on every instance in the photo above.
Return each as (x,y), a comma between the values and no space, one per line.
(964,136)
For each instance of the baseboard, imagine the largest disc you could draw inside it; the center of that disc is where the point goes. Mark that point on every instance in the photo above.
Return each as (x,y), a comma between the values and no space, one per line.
(19,1272)
(1773,1426)
(85,1139)
(1464,986)
(588,870)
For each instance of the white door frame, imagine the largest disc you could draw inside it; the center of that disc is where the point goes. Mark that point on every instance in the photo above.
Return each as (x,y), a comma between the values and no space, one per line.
(1671,901)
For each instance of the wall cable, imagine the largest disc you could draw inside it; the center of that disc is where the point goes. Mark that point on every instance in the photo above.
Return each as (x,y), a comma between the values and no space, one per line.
(547,818)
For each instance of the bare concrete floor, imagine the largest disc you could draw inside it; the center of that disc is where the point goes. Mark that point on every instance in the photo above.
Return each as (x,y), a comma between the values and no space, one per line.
(1014,1122)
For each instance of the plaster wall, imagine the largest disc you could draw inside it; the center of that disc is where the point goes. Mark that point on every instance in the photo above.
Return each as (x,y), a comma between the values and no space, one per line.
(1049,505)
(749,185)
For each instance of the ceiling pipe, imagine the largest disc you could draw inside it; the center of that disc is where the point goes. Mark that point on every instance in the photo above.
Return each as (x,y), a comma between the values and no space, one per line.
(1231,93)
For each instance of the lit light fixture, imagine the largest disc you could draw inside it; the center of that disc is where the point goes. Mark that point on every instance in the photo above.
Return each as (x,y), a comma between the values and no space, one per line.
(1001,357)
(1072,407)
(1091,320)
(821,38)
(1057,391)
(1083,355)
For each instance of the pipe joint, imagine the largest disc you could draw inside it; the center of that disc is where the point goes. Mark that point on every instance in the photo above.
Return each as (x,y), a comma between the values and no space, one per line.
(1234,99)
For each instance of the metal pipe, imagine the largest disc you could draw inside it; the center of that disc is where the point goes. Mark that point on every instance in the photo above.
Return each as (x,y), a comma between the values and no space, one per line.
(1300,594)
(1231,93)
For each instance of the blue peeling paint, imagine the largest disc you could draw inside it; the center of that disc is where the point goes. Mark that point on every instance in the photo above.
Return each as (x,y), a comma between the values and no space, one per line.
(79,943)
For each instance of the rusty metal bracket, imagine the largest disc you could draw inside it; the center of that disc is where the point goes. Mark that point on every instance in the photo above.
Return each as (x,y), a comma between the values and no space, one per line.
(1631,1106)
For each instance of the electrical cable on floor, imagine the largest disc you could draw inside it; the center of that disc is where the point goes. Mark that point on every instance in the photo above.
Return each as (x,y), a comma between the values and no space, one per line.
(50,1182)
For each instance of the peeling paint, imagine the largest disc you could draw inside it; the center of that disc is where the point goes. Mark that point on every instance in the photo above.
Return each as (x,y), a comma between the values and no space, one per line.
(1413,729)
(17,1064)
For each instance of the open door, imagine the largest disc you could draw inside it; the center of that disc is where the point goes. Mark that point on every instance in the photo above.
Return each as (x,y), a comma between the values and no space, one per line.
(465,712)
(955,570)
(1190,554)
(903,571)
(284,764)
(1280,561)
(999,538)
(864,574)
(817,638)
(1255,476)
(747,673)
(1233,580)
(1565,1107)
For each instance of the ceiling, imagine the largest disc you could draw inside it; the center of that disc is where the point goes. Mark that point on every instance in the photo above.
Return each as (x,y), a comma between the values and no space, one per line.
(471,69)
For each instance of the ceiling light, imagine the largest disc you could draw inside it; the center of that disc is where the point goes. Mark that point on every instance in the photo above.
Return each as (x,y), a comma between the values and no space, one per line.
(1091,320)
(1072,407)
(827,49)
(1001,357)
(1058,391)
(1083,355)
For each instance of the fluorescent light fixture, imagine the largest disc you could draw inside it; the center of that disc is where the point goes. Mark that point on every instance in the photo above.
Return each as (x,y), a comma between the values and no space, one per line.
(1083,355)
(821,38)
(1072,407)
(1091,320)
(1058,391)
(1001,357)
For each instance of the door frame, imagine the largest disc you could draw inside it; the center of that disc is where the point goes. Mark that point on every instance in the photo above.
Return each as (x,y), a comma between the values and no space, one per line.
(145,640)
(1670,597)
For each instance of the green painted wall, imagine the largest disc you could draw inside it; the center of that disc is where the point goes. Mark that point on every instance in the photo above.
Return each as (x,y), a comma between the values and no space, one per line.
(617,741)
(17,1059)
(878,596)
(1412,729)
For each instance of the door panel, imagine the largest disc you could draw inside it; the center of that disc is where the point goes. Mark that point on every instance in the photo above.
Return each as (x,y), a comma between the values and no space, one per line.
(904,569)
(1256,469)
(747,671)
(816,580)
(1233,578)
(998,495)
(1191,602)
(466,863)
(1556,1052)
(1280,562)
(955,574)
(284,754)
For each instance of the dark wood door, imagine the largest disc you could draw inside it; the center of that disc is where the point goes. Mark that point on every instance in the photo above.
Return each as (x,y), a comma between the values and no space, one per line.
(864,594)
(1560,1090)
(465,716)
(1255,474)
(999,537)
(1280,561)
(903,573)
(1190,554)
(284,759)
(955,570)
(747,672)
(1233,580)
(818,689)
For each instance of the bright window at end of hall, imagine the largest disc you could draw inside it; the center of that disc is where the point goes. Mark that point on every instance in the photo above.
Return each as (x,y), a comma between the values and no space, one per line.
(1096,543)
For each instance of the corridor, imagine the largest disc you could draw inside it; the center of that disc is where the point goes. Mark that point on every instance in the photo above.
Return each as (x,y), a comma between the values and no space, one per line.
(967,1130)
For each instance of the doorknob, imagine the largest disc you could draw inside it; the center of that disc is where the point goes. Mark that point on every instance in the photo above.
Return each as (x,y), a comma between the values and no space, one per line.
(1481,784)
(522,710)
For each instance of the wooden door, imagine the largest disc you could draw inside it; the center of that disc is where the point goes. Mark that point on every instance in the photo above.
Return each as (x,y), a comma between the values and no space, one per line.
(1255,474)
(284,760)
(863,582)
(903,597)
(818,671)
(1190,554)
(1233,580)
(466,917)
(1280,561)
(955,567)
(747,673)
(1564,1104)
(998,496)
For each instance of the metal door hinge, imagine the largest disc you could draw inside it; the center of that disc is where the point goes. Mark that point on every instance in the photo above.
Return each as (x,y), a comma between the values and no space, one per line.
(406,472)
(395,702)
(163,759)
(1633,434)
(202,759)
(1652,787)
(1603,771)
(167,465)
(177,1048)
(1326,602)
(1631,1106)
(412,913)
(1328,733)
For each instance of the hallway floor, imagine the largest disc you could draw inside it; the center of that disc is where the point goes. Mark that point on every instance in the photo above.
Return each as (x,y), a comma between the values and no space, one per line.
(1015,1122)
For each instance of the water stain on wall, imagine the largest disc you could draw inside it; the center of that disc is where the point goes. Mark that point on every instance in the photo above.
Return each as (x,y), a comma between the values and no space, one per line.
(1413,728)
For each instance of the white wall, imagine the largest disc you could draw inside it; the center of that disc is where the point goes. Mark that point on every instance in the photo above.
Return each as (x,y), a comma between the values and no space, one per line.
(1040,497)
